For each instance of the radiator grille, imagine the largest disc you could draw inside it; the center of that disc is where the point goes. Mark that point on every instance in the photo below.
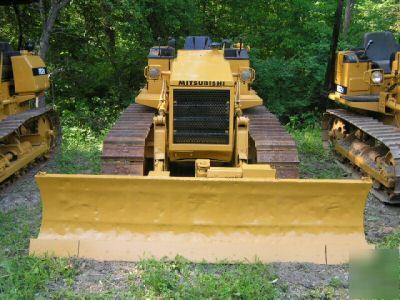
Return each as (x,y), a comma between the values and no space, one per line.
(201,117)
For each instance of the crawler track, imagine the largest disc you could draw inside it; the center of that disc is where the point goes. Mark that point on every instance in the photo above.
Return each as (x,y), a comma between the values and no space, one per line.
(125,145)
(129,143)
(271,143)
(381,140)
(11,125)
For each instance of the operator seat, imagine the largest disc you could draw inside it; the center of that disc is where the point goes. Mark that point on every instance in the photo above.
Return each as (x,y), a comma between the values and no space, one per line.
(7,51)
(197,43)
(383,47)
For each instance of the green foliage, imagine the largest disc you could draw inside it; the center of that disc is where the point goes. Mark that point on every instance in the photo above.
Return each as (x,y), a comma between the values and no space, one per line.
(22,276)
(14,234)
(315,161)
(99,48)
(372,15)
(391,241)
(97,55)
(290,87)
(179,279)
(25,277)
(80,149)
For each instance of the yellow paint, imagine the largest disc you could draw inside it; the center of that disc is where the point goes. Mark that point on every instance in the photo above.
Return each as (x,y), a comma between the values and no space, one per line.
(250,100)
(24,80)
(129,217)
(382,176)
(148,99)
(25,149)
(370,106)
(201,65)
(357,78)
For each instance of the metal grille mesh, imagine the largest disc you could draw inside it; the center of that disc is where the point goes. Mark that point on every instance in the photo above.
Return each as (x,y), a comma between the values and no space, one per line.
(201,117)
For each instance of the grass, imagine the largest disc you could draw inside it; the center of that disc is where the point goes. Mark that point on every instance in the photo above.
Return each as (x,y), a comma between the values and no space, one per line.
(315,161)
(80,152)
(24,277)
(180,279)
(391,241)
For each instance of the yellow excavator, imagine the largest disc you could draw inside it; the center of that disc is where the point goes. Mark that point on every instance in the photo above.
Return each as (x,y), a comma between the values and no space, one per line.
(27,126)
(198,167)
(364,128)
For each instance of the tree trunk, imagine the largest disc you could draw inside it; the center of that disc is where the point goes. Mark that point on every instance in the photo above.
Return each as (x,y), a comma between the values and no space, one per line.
(55,8)
(347,15)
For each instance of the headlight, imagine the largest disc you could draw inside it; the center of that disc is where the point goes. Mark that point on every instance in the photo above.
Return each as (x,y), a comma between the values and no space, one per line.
(154,73)
(377,77)
(246,75)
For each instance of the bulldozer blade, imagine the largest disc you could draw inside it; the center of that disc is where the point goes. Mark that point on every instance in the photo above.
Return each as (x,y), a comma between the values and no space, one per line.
(109,217)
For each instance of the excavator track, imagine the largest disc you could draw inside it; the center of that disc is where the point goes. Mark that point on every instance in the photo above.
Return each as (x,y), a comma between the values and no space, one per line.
(124,149)
(11,126)
(126,145)
(271,143)
(375,150)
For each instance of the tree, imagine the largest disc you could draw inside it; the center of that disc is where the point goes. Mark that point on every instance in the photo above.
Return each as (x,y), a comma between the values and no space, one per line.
(49,19)
(347,15)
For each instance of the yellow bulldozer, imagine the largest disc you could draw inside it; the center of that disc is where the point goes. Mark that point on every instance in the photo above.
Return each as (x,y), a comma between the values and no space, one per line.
(27,126)
(364,130)
(198,167)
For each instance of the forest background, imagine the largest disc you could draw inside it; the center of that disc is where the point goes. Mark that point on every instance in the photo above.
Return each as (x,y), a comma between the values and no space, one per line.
(96,50)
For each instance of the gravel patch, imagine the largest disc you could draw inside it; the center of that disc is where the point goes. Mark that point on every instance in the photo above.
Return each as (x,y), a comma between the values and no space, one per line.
(301,281)
(22,191)
(380,219)
(100,277)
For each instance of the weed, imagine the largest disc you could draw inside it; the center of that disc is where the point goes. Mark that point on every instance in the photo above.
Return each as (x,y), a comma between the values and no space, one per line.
(26,277)
(391,241)
(335,282)
(315,161)
(80,151)
(22,276)
(16,228)
(183,280)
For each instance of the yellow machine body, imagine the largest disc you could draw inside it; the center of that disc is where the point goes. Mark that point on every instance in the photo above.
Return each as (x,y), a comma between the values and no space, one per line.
(232,208)
(194,70)
(367,84)
(29,81)
(26,128)
(354,79)
(110,217)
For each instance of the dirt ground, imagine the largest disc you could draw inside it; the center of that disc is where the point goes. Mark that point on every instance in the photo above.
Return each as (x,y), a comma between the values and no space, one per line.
(295,280)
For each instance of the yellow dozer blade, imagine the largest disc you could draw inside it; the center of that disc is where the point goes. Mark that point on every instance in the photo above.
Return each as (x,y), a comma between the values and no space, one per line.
(129,218)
